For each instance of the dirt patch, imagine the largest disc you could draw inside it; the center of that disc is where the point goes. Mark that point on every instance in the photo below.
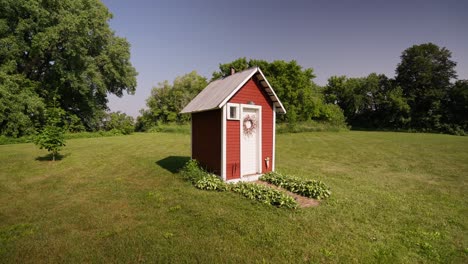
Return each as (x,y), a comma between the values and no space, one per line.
(301,200)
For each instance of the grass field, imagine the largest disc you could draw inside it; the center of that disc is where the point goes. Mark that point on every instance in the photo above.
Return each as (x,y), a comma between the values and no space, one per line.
(397,198)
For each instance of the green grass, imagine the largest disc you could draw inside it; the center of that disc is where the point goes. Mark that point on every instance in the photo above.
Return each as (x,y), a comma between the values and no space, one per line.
(396,198)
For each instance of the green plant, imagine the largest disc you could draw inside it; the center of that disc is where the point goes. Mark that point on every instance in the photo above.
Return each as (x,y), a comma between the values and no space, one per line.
(264,194)
(201,178)
(211,182)
(52,136)
(308,188)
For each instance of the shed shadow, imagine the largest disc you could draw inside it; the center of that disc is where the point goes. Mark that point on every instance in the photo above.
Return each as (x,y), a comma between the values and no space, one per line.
(173,163)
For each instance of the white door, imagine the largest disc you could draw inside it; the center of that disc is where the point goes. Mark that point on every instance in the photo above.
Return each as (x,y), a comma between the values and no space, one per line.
(250,141)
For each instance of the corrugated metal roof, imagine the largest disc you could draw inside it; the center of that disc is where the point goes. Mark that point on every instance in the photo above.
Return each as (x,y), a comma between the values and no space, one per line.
(218,92)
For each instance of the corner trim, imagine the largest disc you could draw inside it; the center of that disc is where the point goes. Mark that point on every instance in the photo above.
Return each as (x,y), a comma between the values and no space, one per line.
(223,142)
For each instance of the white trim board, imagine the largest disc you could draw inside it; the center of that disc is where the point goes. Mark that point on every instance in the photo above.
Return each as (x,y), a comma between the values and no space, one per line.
(273,157)
(223,143)
(241,130)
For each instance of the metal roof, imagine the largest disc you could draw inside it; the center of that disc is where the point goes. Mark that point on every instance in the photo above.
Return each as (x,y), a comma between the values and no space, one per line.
(219,92)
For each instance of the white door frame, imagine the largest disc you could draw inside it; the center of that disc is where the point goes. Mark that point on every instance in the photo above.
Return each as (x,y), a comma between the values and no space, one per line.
(259,134)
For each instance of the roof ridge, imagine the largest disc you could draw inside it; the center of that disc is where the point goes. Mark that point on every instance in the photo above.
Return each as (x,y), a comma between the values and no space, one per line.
(227,76)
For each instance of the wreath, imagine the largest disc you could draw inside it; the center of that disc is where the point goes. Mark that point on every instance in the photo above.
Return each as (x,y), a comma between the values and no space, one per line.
(249,124)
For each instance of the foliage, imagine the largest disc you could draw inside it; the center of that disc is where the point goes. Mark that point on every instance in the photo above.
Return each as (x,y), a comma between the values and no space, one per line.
(4,140)
(120,122)
(308,188)
(264,194)
(372,101)
(51,137)
(424,74)
(210,182)
(309,126)
(167,100)
(21,109)
(170,128)
(202,179)
(65,50)
(455,106)
(294,86)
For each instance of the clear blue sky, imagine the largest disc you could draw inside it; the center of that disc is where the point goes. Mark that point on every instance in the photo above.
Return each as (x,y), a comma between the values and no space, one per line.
(352,38)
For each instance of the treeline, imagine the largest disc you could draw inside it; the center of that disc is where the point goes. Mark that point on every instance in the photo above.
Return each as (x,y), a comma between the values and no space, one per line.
(294,85)
(62,57)
(424,96)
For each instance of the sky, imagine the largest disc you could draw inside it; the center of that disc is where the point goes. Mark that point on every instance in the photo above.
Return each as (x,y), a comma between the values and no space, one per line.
(352,38)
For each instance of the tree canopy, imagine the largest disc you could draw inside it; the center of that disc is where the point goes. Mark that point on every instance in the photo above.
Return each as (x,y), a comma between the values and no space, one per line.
(372,101)
(167,100)
(425,73)
(294,86)
(61,49)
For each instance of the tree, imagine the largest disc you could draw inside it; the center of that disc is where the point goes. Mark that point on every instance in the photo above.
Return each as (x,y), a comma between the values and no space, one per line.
(66,48)
(21,109)
(456,108)
(52,137)
(424,74)
(294,86)
(373,101)
(120,122)
(167,100)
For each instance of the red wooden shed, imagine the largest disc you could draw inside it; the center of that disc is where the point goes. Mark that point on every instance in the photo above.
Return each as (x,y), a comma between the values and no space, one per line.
(233,126)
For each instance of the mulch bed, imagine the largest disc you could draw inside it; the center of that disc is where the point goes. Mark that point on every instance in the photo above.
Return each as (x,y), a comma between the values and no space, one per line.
(301,200)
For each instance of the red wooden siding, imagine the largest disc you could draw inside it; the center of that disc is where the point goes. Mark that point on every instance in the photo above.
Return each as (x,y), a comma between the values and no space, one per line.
(206,139)
(251,91)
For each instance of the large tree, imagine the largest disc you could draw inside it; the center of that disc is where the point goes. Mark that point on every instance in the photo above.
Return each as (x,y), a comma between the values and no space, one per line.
(294,86)
(373,101)
(424,74)
(167,100)
(68,51)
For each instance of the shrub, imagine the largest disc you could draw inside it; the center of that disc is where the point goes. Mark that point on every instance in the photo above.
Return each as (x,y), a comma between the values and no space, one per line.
(264,194)
(51,137)
(121,122)
(201,178)
(206,181)
(309,126)
(211,182)
(308,188)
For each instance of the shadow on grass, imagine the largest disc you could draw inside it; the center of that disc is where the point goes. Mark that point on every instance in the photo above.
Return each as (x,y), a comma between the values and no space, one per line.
(173,163)
(48,157)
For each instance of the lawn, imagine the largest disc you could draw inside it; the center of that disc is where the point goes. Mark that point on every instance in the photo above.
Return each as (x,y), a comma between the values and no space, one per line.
(397,198)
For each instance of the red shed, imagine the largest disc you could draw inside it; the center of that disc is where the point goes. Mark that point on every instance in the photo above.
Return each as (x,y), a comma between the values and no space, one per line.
(233,126)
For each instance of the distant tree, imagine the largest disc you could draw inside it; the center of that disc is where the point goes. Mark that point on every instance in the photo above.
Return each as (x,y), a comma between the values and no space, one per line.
(372,101)
(294,86)
(456,108)
(66,44)
(167,100)
(120,122)
(51,137)
(424,74)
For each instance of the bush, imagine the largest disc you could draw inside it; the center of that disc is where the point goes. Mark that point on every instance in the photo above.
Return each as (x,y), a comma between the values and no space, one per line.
(170,128)
(117,121)
(308,188)
(309,126)
(210,182)
(202,179)
(264,194)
